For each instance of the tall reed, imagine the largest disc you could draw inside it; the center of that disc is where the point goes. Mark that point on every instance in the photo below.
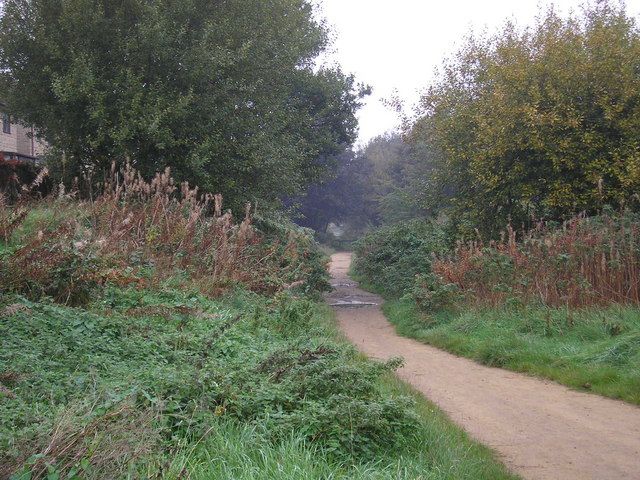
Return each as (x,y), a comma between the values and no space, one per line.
(585,261)
(139,231)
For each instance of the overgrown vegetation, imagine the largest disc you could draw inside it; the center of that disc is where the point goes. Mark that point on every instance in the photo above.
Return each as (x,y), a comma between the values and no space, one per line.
(561,303)
(139,232)
(588,261)
(390,257)
(173,362)
(146,334)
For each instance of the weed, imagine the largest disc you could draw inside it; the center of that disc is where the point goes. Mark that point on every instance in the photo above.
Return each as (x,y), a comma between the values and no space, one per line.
(139,232)
(585,262)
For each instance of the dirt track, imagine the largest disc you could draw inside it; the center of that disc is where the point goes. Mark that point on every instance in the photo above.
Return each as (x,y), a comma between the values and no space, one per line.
(539,429)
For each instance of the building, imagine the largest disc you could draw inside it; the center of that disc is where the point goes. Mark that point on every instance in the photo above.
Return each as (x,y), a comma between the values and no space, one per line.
(18,142)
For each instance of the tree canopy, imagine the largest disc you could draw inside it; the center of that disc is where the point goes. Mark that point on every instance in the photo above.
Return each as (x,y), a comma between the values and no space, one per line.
(224,92)
(540,122)
(370,187)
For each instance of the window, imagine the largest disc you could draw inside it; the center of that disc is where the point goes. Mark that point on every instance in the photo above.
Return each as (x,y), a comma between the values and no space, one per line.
(6,123)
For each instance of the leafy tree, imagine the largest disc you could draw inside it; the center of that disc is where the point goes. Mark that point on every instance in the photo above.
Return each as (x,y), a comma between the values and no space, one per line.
(371,186)
(540,122)
(342,198)
(224,92)
(393,181)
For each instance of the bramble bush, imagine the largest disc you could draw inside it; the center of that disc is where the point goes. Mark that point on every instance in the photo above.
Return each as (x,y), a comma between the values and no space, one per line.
(585,261)
(431,293)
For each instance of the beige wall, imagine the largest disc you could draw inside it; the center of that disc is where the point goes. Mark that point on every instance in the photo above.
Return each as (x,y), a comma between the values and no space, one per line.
(19,141)
(25,144)
(8,141)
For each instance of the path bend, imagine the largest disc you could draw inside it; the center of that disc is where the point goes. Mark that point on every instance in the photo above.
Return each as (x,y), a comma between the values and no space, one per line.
(541,430)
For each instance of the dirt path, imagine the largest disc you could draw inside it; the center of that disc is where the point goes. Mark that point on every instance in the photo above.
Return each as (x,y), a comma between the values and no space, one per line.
(540,430)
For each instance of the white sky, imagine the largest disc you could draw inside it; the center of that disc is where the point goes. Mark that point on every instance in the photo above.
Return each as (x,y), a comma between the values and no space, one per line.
(396,44)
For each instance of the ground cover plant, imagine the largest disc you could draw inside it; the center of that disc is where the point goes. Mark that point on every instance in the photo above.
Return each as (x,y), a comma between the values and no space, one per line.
(174,362)
(241,387)
(147,334)
(560,301)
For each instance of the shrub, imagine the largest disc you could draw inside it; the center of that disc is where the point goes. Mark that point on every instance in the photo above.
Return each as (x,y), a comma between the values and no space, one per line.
(391,257)
(431,293)
(53,265)
(315,392)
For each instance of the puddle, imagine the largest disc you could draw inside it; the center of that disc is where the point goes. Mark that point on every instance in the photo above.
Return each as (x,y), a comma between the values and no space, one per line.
(352,303)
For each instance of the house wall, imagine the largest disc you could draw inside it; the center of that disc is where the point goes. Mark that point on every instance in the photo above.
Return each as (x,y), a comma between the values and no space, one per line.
(24,143)
(27,142)
(20,142)
(8,141)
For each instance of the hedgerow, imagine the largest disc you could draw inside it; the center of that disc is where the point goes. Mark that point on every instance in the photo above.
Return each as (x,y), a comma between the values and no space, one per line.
(390,257)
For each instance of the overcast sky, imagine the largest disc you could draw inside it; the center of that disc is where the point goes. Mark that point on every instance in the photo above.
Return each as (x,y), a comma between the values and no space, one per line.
(396,44)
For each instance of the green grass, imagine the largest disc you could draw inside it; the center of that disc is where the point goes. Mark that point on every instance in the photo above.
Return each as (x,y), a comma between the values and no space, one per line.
(595,350)
(436,450)
(164,382)
(157,380)
(439,451)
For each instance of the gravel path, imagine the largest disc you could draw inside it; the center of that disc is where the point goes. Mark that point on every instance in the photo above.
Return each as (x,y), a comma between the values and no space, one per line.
(539,429)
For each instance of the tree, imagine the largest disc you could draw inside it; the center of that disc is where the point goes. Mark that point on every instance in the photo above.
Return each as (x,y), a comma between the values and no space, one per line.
(393,178)
(224,92)
(342,198)
(540,122)
(371,186)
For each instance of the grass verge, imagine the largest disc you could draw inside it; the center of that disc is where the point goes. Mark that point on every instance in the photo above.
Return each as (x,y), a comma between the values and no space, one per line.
(595,350)
(436,449)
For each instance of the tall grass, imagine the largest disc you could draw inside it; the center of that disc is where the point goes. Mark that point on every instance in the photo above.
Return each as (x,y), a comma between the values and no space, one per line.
(141,232)
(584,262)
